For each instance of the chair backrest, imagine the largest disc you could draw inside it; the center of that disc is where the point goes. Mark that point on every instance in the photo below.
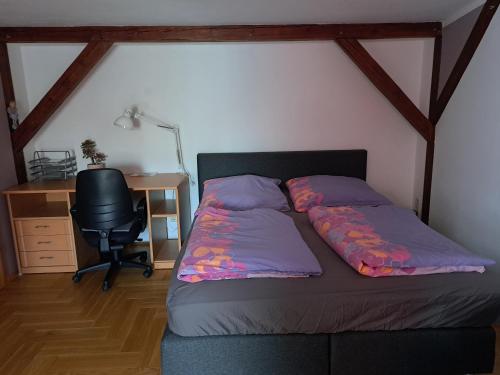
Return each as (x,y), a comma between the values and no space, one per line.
(103,200)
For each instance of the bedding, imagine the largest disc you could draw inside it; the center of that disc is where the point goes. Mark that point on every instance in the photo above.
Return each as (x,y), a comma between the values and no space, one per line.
(322,190)
(390,241)
(245,244)
(243,193)
(339,300)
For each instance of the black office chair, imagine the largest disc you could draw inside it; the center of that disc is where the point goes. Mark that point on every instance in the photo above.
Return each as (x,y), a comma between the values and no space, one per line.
(106,218)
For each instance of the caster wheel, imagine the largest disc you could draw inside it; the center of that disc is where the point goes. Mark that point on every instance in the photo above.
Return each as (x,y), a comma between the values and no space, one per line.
(76,278)
(143,258)
(147,274)
(105,286)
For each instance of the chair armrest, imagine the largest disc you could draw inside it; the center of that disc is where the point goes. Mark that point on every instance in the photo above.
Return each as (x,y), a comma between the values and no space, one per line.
(142,213)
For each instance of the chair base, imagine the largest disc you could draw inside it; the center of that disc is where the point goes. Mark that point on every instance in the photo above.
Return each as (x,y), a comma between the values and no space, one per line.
(113,265)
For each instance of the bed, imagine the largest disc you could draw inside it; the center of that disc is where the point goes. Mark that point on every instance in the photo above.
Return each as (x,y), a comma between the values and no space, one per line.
(339,323)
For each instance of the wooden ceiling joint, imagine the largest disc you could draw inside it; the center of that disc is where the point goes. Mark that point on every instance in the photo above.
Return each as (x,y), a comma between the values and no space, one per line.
(101,38)
(59,92)
(438,101)
(488,11)
(386,85)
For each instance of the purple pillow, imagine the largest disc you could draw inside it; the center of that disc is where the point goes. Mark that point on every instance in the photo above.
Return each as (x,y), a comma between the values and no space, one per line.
(239,193)
(331,191)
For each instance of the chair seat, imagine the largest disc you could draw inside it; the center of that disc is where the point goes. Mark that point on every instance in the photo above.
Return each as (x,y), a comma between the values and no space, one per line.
(124,234)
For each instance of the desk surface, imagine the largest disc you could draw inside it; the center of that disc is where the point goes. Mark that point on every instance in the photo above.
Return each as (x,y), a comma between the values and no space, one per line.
(162,181)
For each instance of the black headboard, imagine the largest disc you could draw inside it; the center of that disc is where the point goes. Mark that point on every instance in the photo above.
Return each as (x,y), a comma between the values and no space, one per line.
(283,165)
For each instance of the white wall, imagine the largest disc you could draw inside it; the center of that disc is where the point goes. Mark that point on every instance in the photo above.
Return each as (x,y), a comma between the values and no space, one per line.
(465,202)
(236,97)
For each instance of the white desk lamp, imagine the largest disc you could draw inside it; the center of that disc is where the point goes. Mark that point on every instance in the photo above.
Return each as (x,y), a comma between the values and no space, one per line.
(126,121)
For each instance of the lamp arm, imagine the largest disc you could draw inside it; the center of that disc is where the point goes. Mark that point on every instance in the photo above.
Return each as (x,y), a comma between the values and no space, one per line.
(172,129)
(180,158)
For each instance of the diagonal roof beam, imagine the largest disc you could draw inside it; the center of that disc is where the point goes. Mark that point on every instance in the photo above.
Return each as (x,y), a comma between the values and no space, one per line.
(482,23)
(59,92)
(386,85)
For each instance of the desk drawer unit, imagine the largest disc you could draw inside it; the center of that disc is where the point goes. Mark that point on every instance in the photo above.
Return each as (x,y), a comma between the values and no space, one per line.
(45,245)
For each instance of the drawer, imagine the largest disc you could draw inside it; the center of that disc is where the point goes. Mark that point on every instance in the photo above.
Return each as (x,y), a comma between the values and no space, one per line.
(37,243)
(42,227)
(46,258)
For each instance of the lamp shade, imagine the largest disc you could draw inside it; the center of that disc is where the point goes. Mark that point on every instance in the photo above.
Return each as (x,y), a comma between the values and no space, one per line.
(124,121)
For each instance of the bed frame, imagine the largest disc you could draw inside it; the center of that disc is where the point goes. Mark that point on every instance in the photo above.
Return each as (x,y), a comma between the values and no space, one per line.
(426,351)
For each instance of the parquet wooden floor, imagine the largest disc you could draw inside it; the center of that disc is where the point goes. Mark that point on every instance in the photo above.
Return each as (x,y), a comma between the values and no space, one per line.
(497,354)
(48,325)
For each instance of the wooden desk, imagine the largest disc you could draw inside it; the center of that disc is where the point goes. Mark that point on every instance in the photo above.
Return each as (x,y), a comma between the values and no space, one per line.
(47,241)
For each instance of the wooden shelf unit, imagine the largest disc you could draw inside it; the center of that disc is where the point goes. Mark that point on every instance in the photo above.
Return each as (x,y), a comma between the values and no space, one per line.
(47,241)
(165,204)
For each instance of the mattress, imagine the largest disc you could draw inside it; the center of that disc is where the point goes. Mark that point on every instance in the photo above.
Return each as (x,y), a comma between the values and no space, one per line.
(339,300)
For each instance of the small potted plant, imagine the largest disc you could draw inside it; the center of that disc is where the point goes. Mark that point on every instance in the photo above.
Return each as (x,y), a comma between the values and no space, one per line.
(89,150)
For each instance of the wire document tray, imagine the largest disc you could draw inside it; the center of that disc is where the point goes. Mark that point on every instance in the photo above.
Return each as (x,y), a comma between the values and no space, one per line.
(52,165)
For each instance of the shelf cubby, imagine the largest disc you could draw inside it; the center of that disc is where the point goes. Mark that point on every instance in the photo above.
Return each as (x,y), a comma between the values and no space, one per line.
(41,205)
(164,209)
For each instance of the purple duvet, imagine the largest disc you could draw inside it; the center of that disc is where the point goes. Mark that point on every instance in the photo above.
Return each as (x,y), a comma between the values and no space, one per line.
(390,241)
(245,244)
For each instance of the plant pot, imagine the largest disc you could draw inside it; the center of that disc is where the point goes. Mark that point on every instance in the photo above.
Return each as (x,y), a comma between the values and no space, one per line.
(96,166)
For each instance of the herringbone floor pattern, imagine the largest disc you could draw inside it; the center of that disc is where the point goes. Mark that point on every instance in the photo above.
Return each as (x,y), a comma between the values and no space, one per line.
(48,325)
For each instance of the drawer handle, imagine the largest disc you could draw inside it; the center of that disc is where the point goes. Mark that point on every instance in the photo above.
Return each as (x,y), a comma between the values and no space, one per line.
(44,242)
(42,226)
(46,257)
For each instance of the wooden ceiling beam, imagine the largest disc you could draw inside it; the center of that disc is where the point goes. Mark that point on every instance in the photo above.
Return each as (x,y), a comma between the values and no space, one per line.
(241,33)
(429,152)
(436,73)
(59,92)
(5,75)
(386,85)
(488,11)
(8,94)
